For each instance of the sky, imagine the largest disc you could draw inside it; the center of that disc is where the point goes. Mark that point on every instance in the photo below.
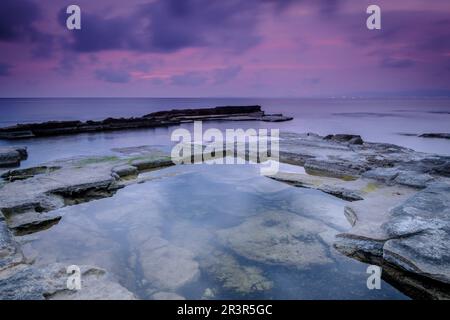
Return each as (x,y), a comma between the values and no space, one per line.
(224,48)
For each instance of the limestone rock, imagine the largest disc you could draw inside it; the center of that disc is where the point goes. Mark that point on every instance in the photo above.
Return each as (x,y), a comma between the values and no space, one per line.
(278,239)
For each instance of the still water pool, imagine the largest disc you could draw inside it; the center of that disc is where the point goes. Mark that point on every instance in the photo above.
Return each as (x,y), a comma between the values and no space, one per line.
(221,232)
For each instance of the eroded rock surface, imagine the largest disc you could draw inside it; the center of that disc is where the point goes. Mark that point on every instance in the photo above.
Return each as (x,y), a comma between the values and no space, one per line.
(11,156)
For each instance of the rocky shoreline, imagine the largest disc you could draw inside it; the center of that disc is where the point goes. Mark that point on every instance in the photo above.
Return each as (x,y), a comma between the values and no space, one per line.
(152,120)
(398,208)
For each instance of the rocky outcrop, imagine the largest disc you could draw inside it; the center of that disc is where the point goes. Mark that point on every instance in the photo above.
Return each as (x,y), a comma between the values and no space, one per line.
(337,157)
(400,205)
(156,119)
(31,193)
(435,135)
(26,282)
(348,138)
(11,156)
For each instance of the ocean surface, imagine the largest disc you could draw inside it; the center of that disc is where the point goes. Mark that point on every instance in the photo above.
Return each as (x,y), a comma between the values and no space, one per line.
(376,120)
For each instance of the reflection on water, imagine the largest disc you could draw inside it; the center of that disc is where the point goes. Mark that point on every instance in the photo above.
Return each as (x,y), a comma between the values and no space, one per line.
(219,232)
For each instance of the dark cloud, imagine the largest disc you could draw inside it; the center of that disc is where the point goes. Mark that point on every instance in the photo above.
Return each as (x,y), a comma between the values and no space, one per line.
(171,25)
(112,75)
(188,79)
(99,33)
(396,63)
(227,24)
(17,24)
(5,69)
(223,75)
(418,37)
(17,18)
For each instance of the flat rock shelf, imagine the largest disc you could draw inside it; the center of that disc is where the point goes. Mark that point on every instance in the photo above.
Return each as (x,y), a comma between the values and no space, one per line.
(152,120)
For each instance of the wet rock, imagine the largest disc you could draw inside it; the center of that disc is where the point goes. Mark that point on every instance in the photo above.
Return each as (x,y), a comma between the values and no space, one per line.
(225,269)
(343,193)
(435,135)
(386,175)
(10,253)
(275,118)
(31,221)
(125,170)
(419,230)
(348,138)
(328,185)
(278,239)
(333,156)
(330,168)
(412,179)
(147,164)
(25,282)
(409,232)
(22,174)
(11,156)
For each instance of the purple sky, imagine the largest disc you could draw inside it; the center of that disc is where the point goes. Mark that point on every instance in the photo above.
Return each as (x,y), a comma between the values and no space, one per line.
(198,48)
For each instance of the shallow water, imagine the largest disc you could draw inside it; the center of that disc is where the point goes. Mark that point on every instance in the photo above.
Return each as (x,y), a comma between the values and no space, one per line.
(212,232)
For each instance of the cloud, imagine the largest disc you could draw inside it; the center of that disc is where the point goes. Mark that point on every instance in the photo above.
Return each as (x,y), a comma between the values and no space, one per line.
(17,18)
(396,63)
(171,25)
(5,69)
(188,79)
(223,75)
(112,75)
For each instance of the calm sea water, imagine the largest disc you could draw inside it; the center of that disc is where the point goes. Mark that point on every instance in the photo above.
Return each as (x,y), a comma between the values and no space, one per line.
(221,232)
(377,120)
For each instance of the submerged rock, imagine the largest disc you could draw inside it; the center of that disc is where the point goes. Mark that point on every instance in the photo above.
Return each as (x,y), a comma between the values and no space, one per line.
(278,238)
(225,269)
(179,267)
